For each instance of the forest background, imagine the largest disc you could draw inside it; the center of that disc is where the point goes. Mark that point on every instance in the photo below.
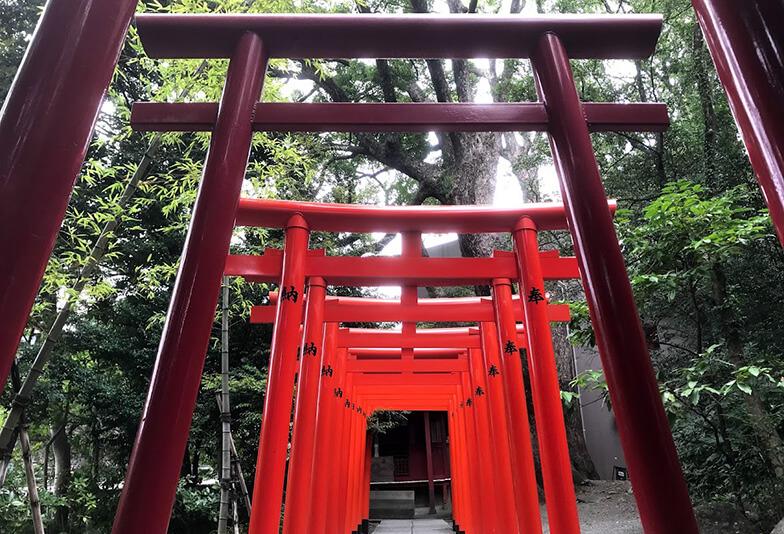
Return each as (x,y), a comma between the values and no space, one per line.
(705,265)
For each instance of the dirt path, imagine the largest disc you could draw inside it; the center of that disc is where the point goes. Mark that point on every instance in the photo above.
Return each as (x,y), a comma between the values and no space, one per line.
(606,507)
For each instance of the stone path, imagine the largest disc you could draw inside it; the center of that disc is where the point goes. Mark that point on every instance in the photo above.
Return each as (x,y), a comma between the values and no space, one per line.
(413,526)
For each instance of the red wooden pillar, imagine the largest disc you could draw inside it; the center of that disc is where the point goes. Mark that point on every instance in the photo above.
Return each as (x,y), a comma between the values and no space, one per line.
(746,41)
(344,456)
(358,482)
(502,459)
(298,487)
(660,489)
(338,446)
(273,442)
(455,458)
(154,469)
(481,502)
(517,409)
(492,507)
(461,512)
(45,128)
(411,247)
(546,391)
(323,473)
(366,488)
(473,487)
(360,478)
(431,492)
(353,467)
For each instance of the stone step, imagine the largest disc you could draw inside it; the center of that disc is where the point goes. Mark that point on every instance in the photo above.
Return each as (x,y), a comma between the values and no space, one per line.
(413,526)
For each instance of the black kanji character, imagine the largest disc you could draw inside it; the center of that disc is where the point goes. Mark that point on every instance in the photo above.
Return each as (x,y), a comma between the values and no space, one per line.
(326,370)
(493,371)
(310,349)
(479,391)
(289,294)
(469,402)
(338,392)
(535,295)
(510,347)
(348,403)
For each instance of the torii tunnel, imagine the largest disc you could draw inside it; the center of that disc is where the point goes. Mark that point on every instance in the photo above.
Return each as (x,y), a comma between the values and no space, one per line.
(475,374)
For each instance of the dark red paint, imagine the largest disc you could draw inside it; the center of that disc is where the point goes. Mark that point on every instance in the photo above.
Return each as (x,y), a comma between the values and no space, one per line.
(746,41)
(398,36)
(660,489)
(399,117)
(154,469)
(45,128)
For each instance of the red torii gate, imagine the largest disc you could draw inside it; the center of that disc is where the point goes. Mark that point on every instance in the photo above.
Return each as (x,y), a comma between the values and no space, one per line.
(379,363)
(33,188)
(69,63)
(549,41)
(436,370)
(561,502)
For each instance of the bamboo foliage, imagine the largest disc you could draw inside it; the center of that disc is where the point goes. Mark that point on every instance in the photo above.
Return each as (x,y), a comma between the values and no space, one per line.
(225,413)
(32,487)
(23,395)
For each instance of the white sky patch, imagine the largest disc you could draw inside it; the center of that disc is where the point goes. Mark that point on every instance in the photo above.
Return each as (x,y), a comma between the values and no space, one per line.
(294,89)
(507,188)
(621,68)
(483,94)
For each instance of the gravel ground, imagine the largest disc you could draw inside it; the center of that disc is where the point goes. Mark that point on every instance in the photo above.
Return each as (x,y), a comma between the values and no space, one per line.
(608,507)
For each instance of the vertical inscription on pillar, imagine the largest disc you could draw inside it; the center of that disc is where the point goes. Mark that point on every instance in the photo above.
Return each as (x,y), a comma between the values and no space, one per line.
(289,294)
(535,295)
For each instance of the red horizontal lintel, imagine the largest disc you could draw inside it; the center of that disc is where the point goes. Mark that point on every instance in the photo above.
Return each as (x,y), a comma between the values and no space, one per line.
(396,354)
(407,366)
(393,339)
(400,383)
(376,271)
(398,36)
(398,117)
(329,217)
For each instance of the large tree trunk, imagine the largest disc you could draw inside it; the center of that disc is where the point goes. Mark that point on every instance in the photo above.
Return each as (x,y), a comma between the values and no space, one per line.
(32,487)
(760,420)
(61,448)
(710,121)
(474,183)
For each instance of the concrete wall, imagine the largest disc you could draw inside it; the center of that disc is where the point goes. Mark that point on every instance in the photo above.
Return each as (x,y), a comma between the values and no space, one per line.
(601,434)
